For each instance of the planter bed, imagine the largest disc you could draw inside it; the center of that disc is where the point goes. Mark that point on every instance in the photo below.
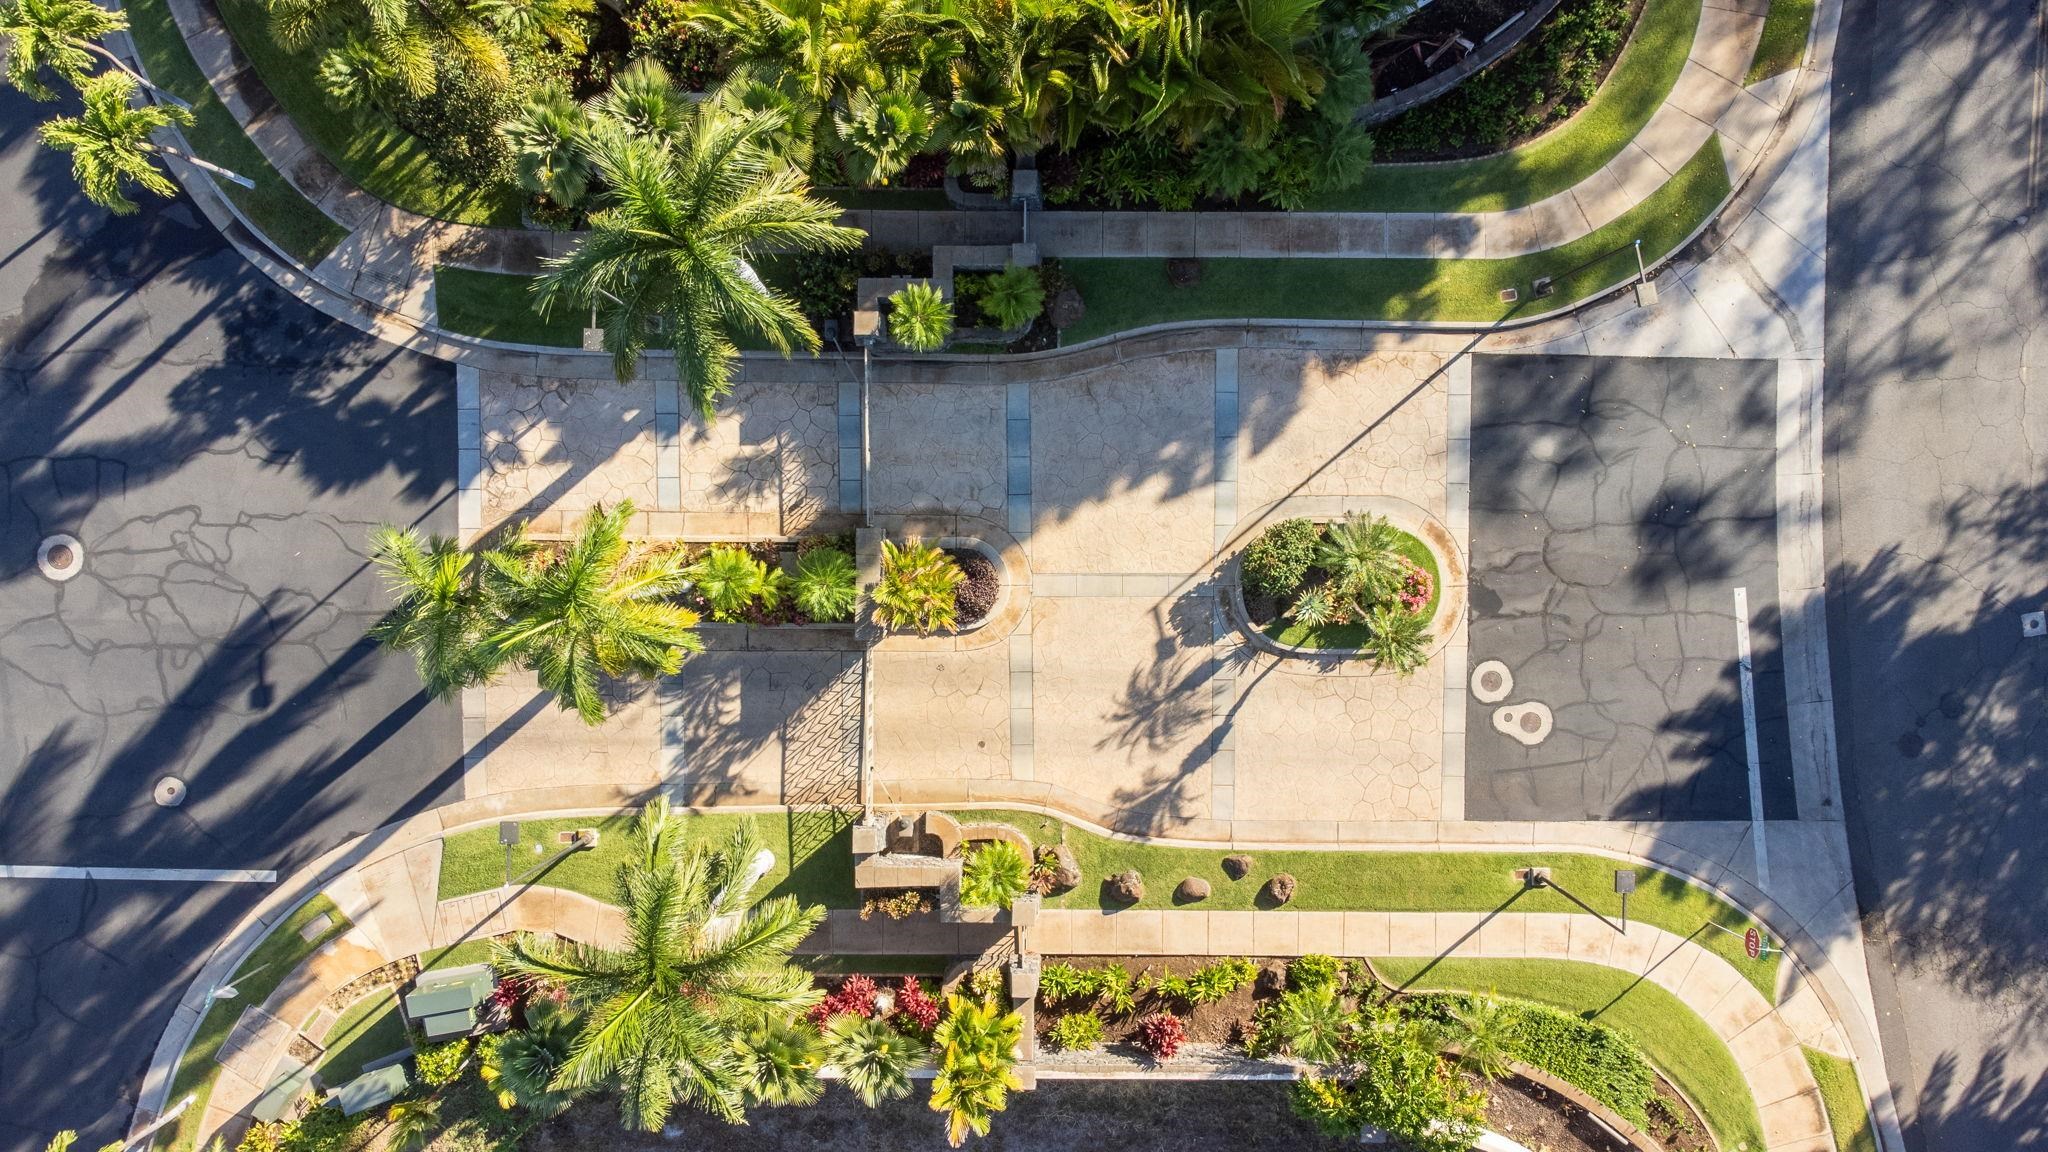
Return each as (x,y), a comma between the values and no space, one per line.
(1269,614)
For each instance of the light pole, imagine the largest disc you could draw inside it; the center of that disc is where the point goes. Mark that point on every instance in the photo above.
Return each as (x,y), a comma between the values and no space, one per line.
(160,1121)
(1624,883)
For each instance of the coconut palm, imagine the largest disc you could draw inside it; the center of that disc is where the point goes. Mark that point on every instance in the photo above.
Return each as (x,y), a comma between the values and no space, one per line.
(1400,639)
(522,1065)
(827,584)
(873,1058)
(63,36)
(920,318)
(1362,554)
(994,875)
(672,248)
(1482,1027)
(546,135)
(701,962)
(597,609)
(1311,1023)
(439,615)
(977,1052)
(778,1061)
(414,36)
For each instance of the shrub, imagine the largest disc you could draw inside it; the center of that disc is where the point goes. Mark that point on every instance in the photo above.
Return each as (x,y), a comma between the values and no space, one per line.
(1275,563)
(1416,588)
(994,875)
(986,984)
(1045,871)
(918,586)
(919,318)
(1314,970)
(457,124)
(321,1130)
(1057,981)
(730,580)
(1076,1032)
(1598,1060)
(916,1010)
(1214,982)
(547,135)
(823,284)
(661,29)
(1401,1086)
(1013,297)
(855,996)
(899,905)
(827,584)
(441,1064)
(1161,1035)
(1400,640)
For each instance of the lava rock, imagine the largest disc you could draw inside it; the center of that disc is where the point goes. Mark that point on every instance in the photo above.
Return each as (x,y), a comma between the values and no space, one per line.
(1237,866)
(1272,979)
(1192,890)
(1066,868)
(1280,889)
(1127,887)
(1067,309)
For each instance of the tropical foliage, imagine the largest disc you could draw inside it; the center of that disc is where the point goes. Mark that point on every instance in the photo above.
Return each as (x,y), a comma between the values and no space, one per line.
(521,1066)
(730,580)
(920,318)
(1393,1079)
(827,584)
(976,1044)
(873,1058)
(994,875)
(675,1013)
(110,144)
(1355,583)
(918,586)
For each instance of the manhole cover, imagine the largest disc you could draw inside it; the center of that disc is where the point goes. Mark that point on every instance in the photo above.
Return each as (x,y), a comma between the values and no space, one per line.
(1531,722)
(1491,682)
(1527,723)
(169,792)
(61,557)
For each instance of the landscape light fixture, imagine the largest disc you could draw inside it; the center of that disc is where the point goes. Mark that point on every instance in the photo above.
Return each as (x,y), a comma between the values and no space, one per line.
(1624,883)
(508,835)
(1646,289)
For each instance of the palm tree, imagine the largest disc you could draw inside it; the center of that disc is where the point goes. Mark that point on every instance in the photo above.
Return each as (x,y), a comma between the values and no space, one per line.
(977,1047)
(994,875)
(701,963)
(643,102)
(673,244)
(522,1065)
(778,1061)
(110,146)
(1400,639)
(413,1123)
(1311,1023)
(546,135)
(1484,1027)
(414,36)
(873,1058)
(730,580)
(920,318)
(597,609)
(919,587)
(1362,554)
(63,36)
(827,584)
(439,616)
(880,129)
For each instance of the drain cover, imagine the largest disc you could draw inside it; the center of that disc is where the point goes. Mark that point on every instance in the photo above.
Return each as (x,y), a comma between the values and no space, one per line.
(61,557)
(169,792)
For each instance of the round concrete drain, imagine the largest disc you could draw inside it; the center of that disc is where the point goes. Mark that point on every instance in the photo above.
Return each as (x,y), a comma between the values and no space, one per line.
(1492,682)
(61,557)
(1528,722)
(169,792)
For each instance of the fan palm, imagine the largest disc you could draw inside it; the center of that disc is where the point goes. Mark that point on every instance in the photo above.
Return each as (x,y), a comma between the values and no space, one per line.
(920,318)
(880,129)
(977,1051)
(827,584)
(522,1066)
(994,875)
(1482,1029)
(439,614)
(63,36)
(873,1058)
(1362,554)
(597,609)
(110,146)
(1400,639)
(778,1061)
(547,144)
(748,94)
(700,963)
(643,102)
(673,244)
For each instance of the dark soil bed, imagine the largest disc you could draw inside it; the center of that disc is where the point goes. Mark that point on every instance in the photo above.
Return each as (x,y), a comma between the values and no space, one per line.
(976,596)
(1398,63)
(1536,1117)
(1219,1023)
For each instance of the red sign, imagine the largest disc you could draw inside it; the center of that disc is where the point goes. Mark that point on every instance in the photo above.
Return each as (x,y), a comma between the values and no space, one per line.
(1752,944)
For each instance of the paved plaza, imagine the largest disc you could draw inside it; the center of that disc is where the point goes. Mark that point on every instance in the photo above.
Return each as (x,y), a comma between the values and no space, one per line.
(1116,690)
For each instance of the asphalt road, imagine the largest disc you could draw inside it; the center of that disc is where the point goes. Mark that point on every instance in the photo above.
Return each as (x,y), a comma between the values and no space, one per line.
(221,450)
(1938,538)
(1616,506)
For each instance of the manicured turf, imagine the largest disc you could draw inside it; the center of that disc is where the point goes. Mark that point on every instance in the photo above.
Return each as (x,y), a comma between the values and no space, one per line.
(1122,294)
(1672,1036)
(1355,635)
(267,966)
(1784,39)
(1842,1096)
(287,218)
(1397,882)
(496,306)
(819,843)
(457,955)
(383,159)
(369,1029)
(1553,162)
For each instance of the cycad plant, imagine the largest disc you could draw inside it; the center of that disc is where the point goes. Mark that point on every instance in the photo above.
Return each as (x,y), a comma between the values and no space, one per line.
(874,1059)
(1014,297)
(547,137)
(439,615)
(779,1060)
(413,1123)
(920,318)
(994,875)
(827,585)
(1400,639)
(976,1045)
(643,102)
(1362,553)
(700,964)
(1482,1026)
(919,587)
(521,1066)
(598,609)
(1310,1023)
(64,37)
(731,580)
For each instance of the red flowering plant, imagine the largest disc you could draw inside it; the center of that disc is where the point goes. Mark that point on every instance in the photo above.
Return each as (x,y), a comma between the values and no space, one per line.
(916,1011)
(1162,1034)
(855,994)
(1416,588)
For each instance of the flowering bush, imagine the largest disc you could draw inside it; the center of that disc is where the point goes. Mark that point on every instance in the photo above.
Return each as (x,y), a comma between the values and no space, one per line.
(1162,1034)
(855,995)
(1416,588)
(916,1011)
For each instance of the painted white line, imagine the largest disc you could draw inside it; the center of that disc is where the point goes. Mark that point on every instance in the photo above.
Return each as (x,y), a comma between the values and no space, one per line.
(1756,779)
(170,875)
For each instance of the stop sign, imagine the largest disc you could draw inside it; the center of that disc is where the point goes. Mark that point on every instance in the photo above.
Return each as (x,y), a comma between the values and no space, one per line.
(1752,944)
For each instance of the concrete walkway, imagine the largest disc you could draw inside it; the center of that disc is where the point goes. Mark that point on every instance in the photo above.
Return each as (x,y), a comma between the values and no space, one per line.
(387,259)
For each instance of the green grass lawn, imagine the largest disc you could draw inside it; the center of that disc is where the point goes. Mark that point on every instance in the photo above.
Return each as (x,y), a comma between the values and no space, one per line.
(819,844)
(1122,294)
(1397,882)
(1553,162)
(1842,1096)
(1784,40)
(1672,1036)
(1355,635)
(457,955)
(274,206)
(369,1029)
(260,974)
(497,306)
(383,159)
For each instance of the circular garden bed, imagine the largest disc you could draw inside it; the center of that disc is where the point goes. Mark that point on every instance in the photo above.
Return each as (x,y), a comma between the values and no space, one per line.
(1360,584)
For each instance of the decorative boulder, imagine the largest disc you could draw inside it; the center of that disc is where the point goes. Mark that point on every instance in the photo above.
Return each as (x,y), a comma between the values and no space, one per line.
(1066,868)
(1279,890)
(1237,866)
(1192,890)
(1066,309)
(1127,887)
(1272,978)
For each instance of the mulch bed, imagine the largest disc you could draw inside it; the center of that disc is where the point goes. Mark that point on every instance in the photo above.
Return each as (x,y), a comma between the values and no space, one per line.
(975,598)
